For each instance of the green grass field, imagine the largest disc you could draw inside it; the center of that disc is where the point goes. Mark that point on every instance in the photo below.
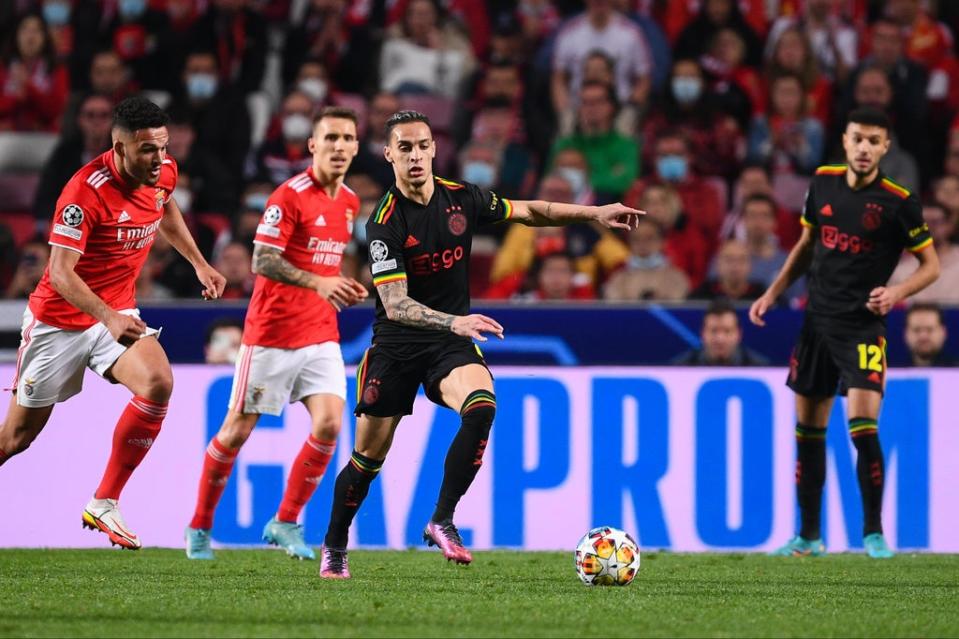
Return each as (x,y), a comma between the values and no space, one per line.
(106,593)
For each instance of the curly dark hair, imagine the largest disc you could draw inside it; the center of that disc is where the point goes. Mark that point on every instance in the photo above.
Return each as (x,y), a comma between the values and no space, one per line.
(137,113)
(405,117)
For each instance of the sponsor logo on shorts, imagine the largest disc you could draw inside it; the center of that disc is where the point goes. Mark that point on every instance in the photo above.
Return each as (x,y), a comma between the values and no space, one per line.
(28,386)
(272,215)
(269,231)
(73,234)
(258,393)
(378,250)
(379,267)
(72,215)
(372,392)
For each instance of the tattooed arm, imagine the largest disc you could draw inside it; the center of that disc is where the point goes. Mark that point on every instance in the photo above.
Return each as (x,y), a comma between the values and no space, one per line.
(339,291)
(402,308)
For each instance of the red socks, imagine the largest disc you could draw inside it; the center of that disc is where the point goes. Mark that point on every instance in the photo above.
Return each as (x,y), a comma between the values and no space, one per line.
(138,427)
(217,466)
(308,469)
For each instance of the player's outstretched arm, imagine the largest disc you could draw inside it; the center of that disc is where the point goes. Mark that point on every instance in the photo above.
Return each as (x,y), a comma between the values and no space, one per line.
(125,329)
(174,230)
(883,298)
(542,213)
(339,291)
(400,307)
(797,263)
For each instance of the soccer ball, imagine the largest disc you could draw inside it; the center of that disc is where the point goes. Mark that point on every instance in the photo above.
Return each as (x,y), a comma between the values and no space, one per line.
(607,557)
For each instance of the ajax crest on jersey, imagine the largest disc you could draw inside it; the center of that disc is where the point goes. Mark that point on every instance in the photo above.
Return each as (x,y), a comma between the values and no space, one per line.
(72,215)
(607,557)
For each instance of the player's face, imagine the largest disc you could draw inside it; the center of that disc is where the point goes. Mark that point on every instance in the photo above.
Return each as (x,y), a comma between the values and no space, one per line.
(411,150)
(925,336)
(864,145)
(333,145)
(142,153)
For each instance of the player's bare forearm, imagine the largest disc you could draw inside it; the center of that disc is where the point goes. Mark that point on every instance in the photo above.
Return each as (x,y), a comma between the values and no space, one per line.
(269,262)
(400,307)
(542,213)
(926,274)
(174,230)
(72,288)
(797,263)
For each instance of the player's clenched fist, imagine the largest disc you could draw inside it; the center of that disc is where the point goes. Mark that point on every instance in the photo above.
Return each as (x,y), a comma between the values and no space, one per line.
(475,325)
(340,291)
(125,329)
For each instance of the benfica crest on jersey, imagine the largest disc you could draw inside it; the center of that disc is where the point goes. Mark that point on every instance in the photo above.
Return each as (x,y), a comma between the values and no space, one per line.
(159,197)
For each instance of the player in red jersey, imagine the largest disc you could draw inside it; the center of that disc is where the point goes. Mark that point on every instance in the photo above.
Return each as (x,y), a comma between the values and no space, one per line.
(83,312)
(291,349)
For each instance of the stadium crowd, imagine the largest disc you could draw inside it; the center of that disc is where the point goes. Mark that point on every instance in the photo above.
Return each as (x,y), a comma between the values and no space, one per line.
(709,114)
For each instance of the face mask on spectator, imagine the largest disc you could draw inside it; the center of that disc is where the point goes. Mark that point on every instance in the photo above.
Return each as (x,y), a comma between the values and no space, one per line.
(575,177)
(201,86)
(482,174)
(255,202)
(672,168)
(56,14)
(131,9)
(654,261)
(314,87)
(687,90)
(296,127)
(184,198)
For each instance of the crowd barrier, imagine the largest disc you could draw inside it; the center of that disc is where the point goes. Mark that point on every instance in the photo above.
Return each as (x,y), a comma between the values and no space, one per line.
(685,459)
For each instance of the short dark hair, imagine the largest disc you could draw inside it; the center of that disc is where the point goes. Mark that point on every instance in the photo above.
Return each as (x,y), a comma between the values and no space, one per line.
(405,117)
(869,116)
(928,307)
(137,113)
(718,308)
(342,112)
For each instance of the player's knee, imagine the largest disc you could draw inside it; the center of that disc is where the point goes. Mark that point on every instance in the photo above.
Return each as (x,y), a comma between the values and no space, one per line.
(236,430)
(327,427)
(479,410)
(159,385)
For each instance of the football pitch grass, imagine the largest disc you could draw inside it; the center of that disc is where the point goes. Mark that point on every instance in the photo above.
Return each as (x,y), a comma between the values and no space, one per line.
(154,592)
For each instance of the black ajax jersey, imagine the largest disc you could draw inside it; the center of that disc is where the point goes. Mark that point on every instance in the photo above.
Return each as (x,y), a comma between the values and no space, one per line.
(860,236)
(429,247)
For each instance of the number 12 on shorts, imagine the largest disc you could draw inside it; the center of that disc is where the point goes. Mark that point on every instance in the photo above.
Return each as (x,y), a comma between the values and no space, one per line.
(870,357)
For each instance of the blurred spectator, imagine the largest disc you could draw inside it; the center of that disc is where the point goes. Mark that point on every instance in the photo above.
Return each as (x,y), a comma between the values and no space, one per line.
(684,244)
(927,41)
(218,113)
(237,33)
(506,44)
(285,152)
(468,15)
(212,187)
(171,270)
(950,164)
(874,89)
(792,54)
(223,339)
(598,67)
(735,87)
(110,76)
(756,179)
(701,200)
(722,339)
(555,279)
(613,158)
(572,166)
(538,20)
(661,53)
(313,80)
(425,54)
(497,125)
(925,335)
(356,255)
(33,85)
(715,139)
(648,274)
(328,35)
(147,287)
(834,42)
(58,14)
(600,27)
(713,16)
(33,261)
(234,263)
(787,139)
(92,137)
(945,290)
(597,252)
(733,280)
(370,158)
(143,38)
(946,193)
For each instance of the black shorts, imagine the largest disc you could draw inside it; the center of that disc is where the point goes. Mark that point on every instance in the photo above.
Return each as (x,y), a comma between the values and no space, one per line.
(389,376)
(835,356)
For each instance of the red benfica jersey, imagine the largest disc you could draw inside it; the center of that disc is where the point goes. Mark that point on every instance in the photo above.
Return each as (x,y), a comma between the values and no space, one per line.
(312,229)
(112,226)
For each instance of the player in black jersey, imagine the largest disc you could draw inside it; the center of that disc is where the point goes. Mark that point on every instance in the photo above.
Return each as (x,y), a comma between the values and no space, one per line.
(419,245)
(856,222)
